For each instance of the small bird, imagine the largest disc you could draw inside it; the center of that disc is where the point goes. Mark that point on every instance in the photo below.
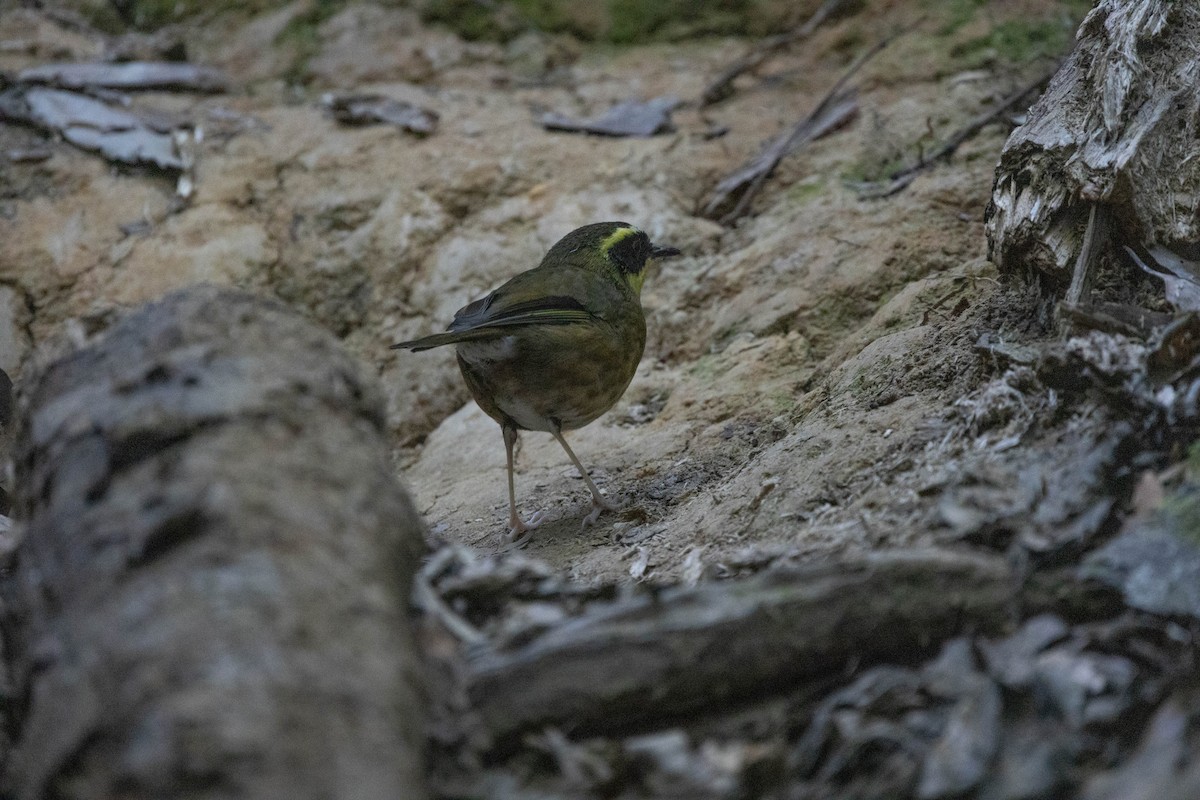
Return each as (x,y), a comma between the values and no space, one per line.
(556,346)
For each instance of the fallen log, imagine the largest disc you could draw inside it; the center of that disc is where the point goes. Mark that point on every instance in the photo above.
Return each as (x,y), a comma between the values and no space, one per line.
(685,651)
(211,596)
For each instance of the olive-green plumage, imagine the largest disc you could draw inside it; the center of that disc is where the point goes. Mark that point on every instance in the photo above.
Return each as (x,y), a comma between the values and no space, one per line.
(556,346)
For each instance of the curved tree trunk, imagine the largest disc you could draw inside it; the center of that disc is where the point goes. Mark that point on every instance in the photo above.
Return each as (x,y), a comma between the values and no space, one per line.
(211,597)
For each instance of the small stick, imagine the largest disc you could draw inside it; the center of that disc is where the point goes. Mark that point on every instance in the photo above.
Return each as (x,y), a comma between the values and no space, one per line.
(426,597)
(1084,260)
(834,108)
(722,86)
(805,131)
(901,178)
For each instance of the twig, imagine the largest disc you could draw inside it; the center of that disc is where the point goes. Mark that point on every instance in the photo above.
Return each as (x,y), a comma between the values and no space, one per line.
(722,86)
(900,179)
(837,106)
(756,173)
(428,600)
(1084,261)
(973,127)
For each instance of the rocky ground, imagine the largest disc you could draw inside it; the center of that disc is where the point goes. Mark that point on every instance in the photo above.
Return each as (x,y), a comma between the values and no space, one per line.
(832,374)
(804,367)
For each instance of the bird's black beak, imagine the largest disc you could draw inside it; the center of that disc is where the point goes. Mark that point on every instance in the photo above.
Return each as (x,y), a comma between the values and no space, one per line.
(662,251)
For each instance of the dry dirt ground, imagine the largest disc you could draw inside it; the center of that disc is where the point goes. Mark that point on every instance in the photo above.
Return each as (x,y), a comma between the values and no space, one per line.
(811,383)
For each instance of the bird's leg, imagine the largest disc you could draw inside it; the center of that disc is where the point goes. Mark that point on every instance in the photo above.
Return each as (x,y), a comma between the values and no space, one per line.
(600,503)
(518,528)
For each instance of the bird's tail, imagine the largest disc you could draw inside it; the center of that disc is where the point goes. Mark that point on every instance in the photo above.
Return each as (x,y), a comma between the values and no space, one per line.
(449,337)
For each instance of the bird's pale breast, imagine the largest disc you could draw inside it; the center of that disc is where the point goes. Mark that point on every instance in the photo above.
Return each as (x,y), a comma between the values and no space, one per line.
(570,374)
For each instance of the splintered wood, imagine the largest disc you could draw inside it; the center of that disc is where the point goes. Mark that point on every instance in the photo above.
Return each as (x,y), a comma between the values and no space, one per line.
(1118,126)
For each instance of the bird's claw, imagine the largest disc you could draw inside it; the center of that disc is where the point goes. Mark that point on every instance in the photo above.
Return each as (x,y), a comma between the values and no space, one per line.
(521,529)
(599,506)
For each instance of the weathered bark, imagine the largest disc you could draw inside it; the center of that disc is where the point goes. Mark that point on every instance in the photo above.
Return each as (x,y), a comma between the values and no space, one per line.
(210,600)
(687,650)
(1119,125)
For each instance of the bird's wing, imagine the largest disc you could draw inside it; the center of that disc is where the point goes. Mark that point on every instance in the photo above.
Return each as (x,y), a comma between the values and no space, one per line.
(537,297)
(494,312)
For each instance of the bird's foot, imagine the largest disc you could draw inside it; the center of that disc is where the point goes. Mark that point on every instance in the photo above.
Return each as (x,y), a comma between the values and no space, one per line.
(521,530)
(599,506)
